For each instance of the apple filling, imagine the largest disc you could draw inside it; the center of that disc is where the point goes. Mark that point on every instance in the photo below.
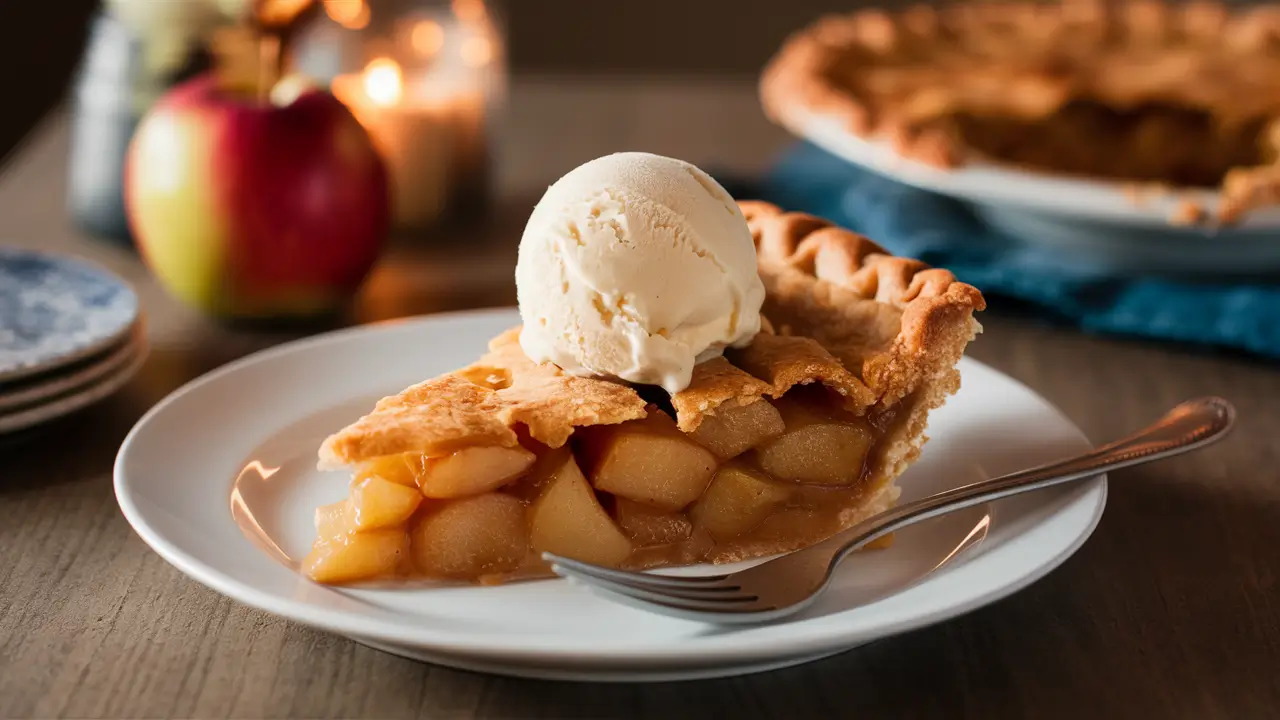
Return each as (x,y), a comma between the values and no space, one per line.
(1152,142)
(750,480)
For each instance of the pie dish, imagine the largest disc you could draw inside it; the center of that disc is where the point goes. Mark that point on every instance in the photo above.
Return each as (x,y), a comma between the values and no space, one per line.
(1142,91)
(471,475)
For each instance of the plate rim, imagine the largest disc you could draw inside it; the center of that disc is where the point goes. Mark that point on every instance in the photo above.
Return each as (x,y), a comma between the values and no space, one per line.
(466,645)
(79,397)
(29,392)
(622,675)
(1105,203)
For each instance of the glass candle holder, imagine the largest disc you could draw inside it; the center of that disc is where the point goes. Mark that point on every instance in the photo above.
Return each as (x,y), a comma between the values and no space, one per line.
(427,79)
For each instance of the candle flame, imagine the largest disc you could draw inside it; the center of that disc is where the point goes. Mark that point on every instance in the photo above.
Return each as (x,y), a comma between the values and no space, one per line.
(477,51)
(383,82)
(352,14)
(427,37)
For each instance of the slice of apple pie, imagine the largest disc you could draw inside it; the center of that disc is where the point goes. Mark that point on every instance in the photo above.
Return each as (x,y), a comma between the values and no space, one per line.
(472,475)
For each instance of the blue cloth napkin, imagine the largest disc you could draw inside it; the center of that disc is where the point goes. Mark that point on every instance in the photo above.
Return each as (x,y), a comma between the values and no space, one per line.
(942,232)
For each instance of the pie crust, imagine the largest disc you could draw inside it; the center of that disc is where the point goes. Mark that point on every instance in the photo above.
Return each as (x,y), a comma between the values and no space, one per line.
(869,339)
(1145,91)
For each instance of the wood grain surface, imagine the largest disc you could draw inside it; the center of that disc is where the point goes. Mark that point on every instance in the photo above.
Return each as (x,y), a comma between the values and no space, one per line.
(1171,610)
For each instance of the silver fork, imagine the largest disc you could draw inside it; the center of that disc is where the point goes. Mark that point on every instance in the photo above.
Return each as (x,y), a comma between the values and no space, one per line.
(788,584)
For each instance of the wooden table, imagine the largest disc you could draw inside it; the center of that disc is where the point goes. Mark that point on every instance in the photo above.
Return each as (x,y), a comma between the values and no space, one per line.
(1172,609)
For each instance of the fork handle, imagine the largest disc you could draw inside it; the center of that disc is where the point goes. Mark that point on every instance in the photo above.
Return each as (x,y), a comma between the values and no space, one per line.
(1188,426)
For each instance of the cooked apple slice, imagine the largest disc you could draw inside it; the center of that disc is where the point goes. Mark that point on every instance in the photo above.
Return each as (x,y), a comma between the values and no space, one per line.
(474,471)
(739,499)
(820,446)
(470,537)
(568,520)
(647,525)
(335,520)
(649,461)
(529,486)
(377,503)
(735,430)
(357,556)
(400,469)
(795,526)
(690,551)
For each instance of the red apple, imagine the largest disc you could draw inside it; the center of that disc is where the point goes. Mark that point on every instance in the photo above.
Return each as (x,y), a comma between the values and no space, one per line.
(256,208)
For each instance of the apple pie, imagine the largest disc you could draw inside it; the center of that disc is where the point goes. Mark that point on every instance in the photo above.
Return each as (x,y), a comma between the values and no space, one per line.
(1146,92)
(470,476)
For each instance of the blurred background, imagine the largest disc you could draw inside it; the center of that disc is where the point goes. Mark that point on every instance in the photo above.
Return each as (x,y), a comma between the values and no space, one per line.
(470,108)
(709,37)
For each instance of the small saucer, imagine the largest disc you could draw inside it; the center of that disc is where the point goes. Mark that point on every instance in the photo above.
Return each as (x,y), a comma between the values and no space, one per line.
(31,390)
(123,365)
(55,310)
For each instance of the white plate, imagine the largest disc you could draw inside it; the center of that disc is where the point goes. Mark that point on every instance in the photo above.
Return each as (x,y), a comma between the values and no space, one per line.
(1094,221)
(78,397)
(266,414)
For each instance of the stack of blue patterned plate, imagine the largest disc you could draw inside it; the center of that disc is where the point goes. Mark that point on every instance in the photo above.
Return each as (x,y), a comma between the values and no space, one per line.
(70,335)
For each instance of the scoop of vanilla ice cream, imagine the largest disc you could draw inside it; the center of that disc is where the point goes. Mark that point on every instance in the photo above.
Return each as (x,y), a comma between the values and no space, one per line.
(636,267)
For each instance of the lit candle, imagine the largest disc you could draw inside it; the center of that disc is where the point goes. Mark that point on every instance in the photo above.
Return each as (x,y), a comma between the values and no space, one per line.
(425,101)
(415,133)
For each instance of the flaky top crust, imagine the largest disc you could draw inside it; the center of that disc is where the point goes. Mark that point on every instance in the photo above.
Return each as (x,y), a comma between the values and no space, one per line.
(888,75)
(894,322)
(482,404)
(842,312)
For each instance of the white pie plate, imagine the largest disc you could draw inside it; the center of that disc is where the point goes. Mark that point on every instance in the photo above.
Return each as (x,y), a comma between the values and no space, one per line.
(175,473)
(1093,222)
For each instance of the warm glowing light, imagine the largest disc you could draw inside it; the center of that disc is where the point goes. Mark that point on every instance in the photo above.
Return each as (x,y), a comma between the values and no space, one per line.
(477,51)
(249,483)
(383,82)
(427,37)
(279,13)
(353,14)
(469,11)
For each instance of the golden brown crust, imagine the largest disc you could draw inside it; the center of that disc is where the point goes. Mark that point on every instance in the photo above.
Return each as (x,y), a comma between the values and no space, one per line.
(894,322)
(786,361)
(482,404)
(898,324)
(715,383)
(911,77)
(768,367)
(873,328)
